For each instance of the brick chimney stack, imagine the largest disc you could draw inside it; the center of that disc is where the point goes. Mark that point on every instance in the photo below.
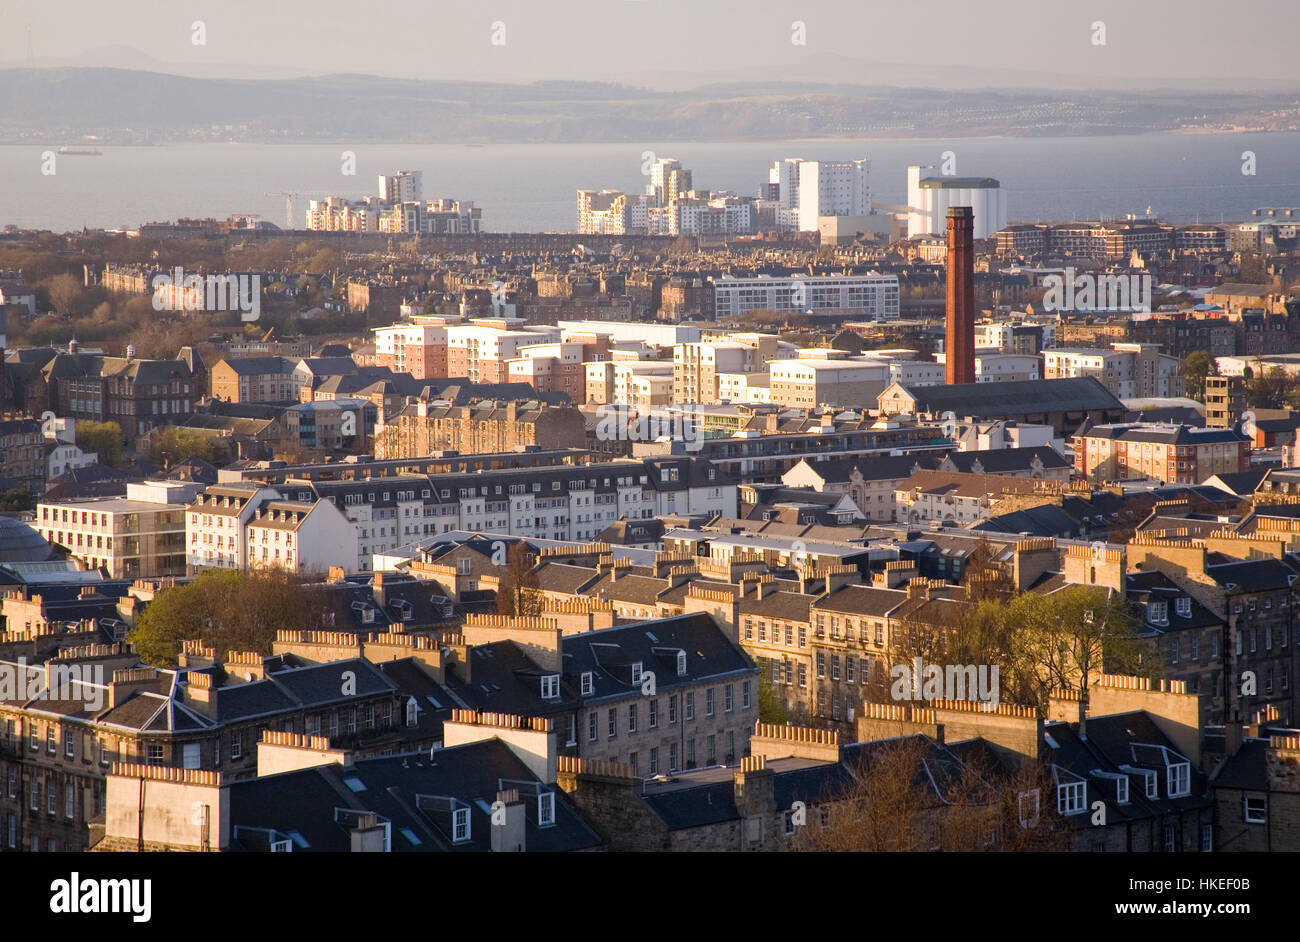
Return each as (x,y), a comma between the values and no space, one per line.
(959,345)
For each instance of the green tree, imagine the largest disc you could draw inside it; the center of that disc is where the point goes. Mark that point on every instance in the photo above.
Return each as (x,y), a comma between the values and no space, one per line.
(771,704)
(104,438)
(227,610)
(1197,365)
(174,445)
(17,499)
(1067,639)
(1268,389)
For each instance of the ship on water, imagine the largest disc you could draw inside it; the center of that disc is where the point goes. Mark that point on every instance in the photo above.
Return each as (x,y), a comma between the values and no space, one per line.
(65,150)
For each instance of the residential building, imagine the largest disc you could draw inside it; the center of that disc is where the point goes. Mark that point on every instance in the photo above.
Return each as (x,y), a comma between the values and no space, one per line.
(140,536)
(1174,454)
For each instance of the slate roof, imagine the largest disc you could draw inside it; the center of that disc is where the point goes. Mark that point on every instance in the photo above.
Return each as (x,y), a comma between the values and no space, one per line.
(1123,739)
(406,791)
(609,654)
(1018,397)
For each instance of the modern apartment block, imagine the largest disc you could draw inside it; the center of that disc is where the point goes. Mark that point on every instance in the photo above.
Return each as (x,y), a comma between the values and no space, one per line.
(833,188)
(813,381)
(1129,370)
(139,536)
(418,347)
(481,350)
(870,296)
(1175,454)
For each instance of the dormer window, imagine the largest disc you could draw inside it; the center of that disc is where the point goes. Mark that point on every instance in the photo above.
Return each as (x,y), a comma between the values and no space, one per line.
(1070,797)
(636,672)
(1158,612)
(412,711)
(545,809)
(681,663)
(1184,607)
(460,826)
(550,686)
(1179,779)
(588,684)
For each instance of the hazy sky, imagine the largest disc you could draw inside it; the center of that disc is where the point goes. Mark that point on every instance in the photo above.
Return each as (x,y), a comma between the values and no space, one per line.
(618,39)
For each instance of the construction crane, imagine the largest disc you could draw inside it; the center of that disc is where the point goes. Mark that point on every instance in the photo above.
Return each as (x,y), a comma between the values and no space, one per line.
(289,197)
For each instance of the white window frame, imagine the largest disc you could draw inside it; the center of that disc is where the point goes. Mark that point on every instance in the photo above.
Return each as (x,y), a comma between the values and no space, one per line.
(461,826)
(546,809)
(1178,779)
(1071,797)
(1259,816)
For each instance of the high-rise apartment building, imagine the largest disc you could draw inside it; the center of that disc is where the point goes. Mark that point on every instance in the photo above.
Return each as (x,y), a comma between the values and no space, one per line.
(833,188)
(405,186)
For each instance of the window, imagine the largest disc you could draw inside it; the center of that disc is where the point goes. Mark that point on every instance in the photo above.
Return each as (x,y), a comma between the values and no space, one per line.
(1180,779)
(545,809)
(460,829)
(1207,838)
(591,726)
(1253,809)
(681,665)
(236,744)
(728,698)
(654,714)
(708,702)
(803,675)
(550,686)
(1121,790)
(1171,836)
(50,745)
(587,683)
(613,723)
(821,664)
(1070,797)
(672,711)
(636,672)
(154,756)
(654,761)
(690,704)
(412,716)
(744,695)
(631,717)
(69,801)
(68,749)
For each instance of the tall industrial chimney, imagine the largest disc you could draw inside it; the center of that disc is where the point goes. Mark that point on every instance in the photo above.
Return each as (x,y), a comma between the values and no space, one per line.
(959,344)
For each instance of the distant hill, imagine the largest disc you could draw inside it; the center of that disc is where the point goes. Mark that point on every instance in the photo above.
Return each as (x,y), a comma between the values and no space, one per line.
(65,103)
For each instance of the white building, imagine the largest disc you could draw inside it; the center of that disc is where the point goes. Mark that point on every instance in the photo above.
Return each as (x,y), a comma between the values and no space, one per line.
(930,196)
(402,187)
(784,175)
(833,188)
(873,296)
